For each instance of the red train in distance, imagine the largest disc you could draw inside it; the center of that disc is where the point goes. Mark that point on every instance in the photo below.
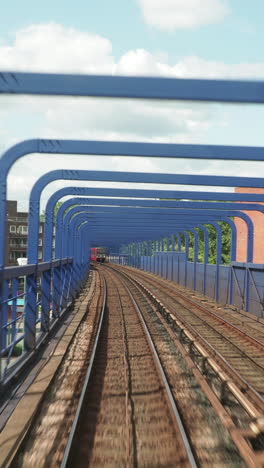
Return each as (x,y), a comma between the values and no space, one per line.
(98,254)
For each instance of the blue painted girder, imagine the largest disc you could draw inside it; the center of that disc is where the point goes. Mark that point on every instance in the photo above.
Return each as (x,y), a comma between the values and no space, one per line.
(79,147)
(117,177)
(180,218)
(132,87)
(83,191)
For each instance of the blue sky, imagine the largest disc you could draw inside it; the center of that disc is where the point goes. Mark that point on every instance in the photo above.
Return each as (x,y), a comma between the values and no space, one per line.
(238,38)
(185,38)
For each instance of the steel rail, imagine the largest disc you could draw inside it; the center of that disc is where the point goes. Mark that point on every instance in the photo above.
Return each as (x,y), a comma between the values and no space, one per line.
(68,448)
(193,335)
(230,325)
(249,338)
(239,436)
(131,451)
(172,405)
(130,446)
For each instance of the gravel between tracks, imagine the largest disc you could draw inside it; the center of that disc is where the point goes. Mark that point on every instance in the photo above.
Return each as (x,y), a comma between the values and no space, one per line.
(125,421)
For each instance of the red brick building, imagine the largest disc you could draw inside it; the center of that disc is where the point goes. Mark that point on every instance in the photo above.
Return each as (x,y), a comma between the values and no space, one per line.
(258,221)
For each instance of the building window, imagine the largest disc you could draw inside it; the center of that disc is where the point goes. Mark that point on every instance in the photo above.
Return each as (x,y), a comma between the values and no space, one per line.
(22,229)
(12,228)
(13,256)
(12,242)
(39,255)
(40,242)
(23,242)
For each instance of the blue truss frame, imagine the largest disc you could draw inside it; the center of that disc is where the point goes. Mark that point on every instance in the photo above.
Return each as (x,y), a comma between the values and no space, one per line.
(124,87)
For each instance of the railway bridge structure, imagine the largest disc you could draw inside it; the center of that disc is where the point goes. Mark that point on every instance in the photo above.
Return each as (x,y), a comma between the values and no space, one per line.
(159,233)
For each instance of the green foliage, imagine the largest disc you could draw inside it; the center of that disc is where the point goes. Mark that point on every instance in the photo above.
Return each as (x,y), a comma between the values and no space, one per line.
(42,216)
(16,351)
(226,244)
(226,241)
(58,204)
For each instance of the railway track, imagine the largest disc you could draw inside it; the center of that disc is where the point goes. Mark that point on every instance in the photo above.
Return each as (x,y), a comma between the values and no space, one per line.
(219,350)
(147,398)
(239,349)
(127,416)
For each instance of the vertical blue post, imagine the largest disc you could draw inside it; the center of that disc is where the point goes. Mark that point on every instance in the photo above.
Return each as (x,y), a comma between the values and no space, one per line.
(218,257)
(158,257)
(167,257)
(141,253)
(30,308)
(155,257)
(206,251)
(232,258)
(179,242)
(232,255)
(186,238)
(45,299)
(195,258)
(149,254)
(4,314)
(137,254)
(179,245)
(14,306)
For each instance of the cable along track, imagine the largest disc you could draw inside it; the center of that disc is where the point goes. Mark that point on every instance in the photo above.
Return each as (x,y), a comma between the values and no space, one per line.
(127,415)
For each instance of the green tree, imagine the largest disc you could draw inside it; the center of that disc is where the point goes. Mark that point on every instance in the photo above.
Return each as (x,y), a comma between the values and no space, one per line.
(226,244)
(42,216)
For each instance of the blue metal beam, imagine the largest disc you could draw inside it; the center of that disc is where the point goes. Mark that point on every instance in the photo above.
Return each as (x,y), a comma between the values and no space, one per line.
(131,87)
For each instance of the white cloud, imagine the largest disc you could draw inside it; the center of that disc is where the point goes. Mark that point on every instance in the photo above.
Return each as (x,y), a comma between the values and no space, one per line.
(55,48)
(141,62)
(169,15)
(196,67)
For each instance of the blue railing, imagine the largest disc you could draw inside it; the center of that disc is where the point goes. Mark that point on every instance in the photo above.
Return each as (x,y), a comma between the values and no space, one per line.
(19,284)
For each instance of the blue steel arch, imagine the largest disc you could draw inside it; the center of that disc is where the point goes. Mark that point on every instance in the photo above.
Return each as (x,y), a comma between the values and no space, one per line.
(34,211)
(146,203)
(109,148)
(124,192)
(136,193)
(77,209)
(45,302)
(147,88)
(208,211)
(118,177)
